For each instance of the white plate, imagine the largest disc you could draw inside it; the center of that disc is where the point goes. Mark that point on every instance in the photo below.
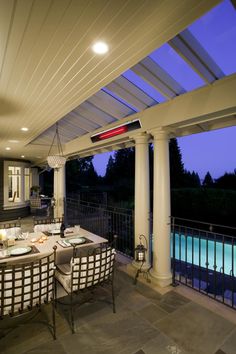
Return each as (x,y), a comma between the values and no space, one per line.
(18,251)
(77,240)
(55,232)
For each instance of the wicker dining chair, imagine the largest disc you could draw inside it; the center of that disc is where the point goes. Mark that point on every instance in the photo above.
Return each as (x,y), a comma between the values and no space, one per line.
(26,287)
(47,224)
(12,228)
(86,272)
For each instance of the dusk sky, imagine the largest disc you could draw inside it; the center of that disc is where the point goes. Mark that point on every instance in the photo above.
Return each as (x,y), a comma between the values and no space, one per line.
(213,151)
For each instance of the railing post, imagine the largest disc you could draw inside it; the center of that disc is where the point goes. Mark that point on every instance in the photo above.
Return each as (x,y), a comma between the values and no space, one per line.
(173,245)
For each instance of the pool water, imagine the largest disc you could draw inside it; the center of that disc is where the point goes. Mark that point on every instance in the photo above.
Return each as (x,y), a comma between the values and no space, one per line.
(214,250)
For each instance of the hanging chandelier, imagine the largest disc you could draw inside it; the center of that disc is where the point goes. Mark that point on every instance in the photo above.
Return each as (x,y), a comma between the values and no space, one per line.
(57,160)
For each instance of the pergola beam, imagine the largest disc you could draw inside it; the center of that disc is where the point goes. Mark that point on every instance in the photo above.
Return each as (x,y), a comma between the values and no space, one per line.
(210,104)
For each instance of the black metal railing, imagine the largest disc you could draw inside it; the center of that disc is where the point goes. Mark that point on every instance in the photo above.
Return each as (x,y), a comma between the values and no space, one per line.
(105,221)
(204,259)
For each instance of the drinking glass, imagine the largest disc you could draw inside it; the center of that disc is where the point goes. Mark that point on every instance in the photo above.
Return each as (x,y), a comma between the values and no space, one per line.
(77,228)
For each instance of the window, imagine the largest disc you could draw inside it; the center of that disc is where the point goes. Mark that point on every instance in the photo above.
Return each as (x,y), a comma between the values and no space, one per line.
(27,183)
(14,184)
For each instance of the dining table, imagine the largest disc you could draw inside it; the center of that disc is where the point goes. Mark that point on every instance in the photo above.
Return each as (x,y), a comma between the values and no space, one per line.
(40,244)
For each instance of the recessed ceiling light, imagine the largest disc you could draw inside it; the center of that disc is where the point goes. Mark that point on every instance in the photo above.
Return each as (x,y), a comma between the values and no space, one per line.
(22,156)
(100,47)
(13,141)
(24,129)
(8,148)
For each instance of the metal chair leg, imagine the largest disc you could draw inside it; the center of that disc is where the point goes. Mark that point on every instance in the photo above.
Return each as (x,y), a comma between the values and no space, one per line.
(113,298)
(72,314)
(53,320)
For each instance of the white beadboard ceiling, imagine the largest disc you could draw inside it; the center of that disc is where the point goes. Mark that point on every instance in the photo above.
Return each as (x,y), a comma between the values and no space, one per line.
(48,72)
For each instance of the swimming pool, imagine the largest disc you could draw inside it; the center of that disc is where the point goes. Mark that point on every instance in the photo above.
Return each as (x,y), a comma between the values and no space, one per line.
(198,251)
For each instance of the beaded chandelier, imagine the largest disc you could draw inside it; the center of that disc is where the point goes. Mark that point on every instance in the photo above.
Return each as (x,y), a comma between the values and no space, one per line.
(57,160)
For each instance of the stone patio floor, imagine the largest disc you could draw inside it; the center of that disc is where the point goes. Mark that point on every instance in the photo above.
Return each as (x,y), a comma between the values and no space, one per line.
(146,322)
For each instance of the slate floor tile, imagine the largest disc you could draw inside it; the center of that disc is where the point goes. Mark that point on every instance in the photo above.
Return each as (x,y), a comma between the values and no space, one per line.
(152,313)
(196,329)
(229,346)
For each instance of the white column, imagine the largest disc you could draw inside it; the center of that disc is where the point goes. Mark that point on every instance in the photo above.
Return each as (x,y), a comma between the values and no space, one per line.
(161,209)
(34,177)
(142,191)
(59,190)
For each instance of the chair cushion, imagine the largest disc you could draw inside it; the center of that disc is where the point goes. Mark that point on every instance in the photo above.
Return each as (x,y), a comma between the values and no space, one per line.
(47,227)
(84,272)
(64,279)
(13,232)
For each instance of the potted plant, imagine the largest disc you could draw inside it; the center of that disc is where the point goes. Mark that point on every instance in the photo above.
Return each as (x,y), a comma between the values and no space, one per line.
(34,191)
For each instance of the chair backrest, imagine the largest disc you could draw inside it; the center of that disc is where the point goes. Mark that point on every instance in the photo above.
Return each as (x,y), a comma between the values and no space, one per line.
(48,224)
(13,229)
(92,269)
(47,221)
(26,286)
(35,203)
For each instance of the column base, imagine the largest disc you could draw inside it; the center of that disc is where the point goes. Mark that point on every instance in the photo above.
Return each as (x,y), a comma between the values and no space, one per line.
(161,280)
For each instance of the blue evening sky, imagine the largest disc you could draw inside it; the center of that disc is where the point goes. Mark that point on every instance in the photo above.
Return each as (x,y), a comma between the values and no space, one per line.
(213,151)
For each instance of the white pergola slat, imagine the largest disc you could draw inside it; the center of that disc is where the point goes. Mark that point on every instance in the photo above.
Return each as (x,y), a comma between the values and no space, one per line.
(158,78)
(136,91)
(191,51)
(89,111)
(110,105)
(81,122)
(126,95)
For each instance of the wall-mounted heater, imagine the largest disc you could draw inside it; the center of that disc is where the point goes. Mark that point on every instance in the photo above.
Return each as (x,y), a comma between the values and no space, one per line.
(120,129)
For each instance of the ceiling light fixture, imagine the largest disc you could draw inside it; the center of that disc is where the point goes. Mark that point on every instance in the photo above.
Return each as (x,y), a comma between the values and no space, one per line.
(13,141)
(24,129)
(100,47)
(22,156)
(8,148)
(57,160)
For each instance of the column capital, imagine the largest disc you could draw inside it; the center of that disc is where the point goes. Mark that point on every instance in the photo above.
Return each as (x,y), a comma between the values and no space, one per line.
(141,138)
(161,133)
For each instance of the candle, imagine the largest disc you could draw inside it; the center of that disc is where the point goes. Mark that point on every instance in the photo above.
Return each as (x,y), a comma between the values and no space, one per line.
(4,235)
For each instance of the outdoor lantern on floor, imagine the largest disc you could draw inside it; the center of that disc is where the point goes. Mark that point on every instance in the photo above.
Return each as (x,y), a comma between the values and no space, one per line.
(140,250)
(140,257)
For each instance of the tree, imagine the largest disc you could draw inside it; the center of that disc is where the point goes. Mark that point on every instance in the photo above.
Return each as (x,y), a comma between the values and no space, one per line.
(208,181)
(176,165)
(110,171)
(227,181)
(120,175)
(80,172)
(121,166)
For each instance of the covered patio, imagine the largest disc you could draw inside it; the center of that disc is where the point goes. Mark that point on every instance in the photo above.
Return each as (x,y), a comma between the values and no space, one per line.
(129,96)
